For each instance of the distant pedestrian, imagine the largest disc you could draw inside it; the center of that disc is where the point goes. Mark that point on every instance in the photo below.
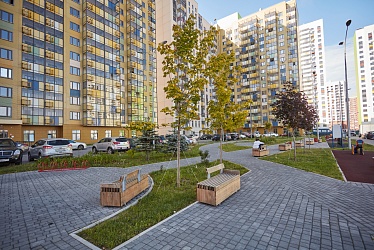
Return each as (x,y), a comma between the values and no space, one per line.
(359,145)
(258,144)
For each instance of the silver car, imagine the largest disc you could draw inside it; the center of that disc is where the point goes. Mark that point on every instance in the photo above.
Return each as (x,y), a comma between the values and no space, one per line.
(51,147)
(111,145)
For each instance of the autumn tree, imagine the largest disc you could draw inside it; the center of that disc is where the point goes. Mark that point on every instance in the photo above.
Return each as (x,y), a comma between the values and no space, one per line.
(292,109)
(184,63)
(225,114)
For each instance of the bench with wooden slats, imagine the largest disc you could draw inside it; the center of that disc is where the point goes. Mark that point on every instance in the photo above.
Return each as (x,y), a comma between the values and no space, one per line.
(216,189)
(120,192)
(260,152)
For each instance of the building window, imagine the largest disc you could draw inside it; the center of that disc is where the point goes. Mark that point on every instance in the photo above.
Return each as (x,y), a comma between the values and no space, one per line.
(28,135)
(75,85)
(74,12)
(52,134)
(74,56)
(108,133)
(93,134)
(75,116)
(75,41)
(5,92)
(6,73)
(75,27)
(6,16)
(75,71)
(75,100)
(8,1)
(5,111)
(76,1)
(76,135)
(6,35)
(6,54)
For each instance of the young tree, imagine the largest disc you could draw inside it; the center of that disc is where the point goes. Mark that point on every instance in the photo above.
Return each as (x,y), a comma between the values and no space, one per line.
(268,126)
(292,109)
(223,113)
(147,141)
(184,64)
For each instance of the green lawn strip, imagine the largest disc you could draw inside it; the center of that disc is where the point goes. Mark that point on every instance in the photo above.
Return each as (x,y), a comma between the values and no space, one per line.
(164,200)
(319,161)
(119,159)
(229,147)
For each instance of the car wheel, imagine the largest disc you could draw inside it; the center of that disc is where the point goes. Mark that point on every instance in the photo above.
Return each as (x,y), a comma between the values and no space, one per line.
(94,150)
(80,147)
(29,156)
(39,156)
(19,162)
(110,151)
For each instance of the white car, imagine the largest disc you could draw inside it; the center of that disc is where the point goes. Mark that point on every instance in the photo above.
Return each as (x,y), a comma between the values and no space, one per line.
(78,145)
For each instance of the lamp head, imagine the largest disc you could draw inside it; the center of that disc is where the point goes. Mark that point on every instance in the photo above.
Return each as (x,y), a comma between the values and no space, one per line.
(341,43)
(348,22)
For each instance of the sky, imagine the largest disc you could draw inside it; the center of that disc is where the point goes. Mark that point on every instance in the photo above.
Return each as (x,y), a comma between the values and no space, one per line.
(334,14)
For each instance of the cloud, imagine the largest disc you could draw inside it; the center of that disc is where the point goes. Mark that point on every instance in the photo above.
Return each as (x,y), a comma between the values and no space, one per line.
(335,65)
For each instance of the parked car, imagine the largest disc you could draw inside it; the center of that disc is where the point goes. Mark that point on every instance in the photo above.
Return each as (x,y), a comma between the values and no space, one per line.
(206,137)
(216,137)
(257,134)
(228,137)
(9,152)
(111,145)
(246,134)
(242,136)
(192,139)
(369,135)
(163,139)
(270,135)
(132,142)
(234,136)
(23,146)
(51,147)
(188,140)
(78,145)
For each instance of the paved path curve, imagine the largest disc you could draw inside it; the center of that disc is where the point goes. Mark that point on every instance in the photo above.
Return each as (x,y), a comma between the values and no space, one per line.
(277,207)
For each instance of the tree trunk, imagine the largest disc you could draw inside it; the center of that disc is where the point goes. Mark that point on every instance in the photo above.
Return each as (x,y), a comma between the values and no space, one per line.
(294,143)
(220,146)
(179,154)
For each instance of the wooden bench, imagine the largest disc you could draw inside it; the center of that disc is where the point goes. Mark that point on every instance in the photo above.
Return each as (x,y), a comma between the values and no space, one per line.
(215,190)
(260,152)
(299,144)
(120,192)
(284,147)
(309,141)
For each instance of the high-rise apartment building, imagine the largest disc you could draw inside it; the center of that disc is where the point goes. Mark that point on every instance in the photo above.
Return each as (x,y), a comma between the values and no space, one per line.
(353,114)
(266,47)
(364,61)
(171,13)
(312,68)
(77,69)
(335,100)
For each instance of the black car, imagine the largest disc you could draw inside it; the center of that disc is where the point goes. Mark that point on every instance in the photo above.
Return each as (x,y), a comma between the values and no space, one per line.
(206,137)
(9,152)
(216,137)
(370,135)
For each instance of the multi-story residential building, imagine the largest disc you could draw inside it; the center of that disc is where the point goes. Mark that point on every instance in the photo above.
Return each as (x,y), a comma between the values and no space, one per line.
(171,13)
(353,114)
(312,68)
(266,47)
(336,108)
(77,69)
(364,61)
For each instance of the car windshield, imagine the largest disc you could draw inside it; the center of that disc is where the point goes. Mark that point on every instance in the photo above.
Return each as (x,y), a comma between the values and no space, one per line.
(58,142)
(121,139)
(6,143)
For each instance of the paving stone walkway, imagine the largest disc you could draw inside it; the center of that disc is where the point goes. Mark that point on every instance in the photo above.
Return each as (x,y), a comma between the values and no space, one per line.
(277,207)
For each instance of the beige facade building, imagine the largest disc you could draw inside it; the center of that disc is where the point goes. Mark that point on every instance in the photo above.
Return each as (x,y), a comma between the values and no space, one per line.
(169,13)
(353,114)
(76,69)
(266,47)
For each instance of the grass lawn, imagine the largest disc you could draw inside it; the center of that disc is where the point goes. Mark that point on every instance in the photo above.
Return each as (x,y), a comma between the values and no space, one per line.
(164,200)
(120,159)
(229,147)
(319,161)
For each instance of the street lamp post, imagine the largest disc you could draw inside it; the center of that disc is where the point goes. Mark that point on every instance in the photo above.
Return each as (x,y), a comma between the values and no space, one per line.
(347,23)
